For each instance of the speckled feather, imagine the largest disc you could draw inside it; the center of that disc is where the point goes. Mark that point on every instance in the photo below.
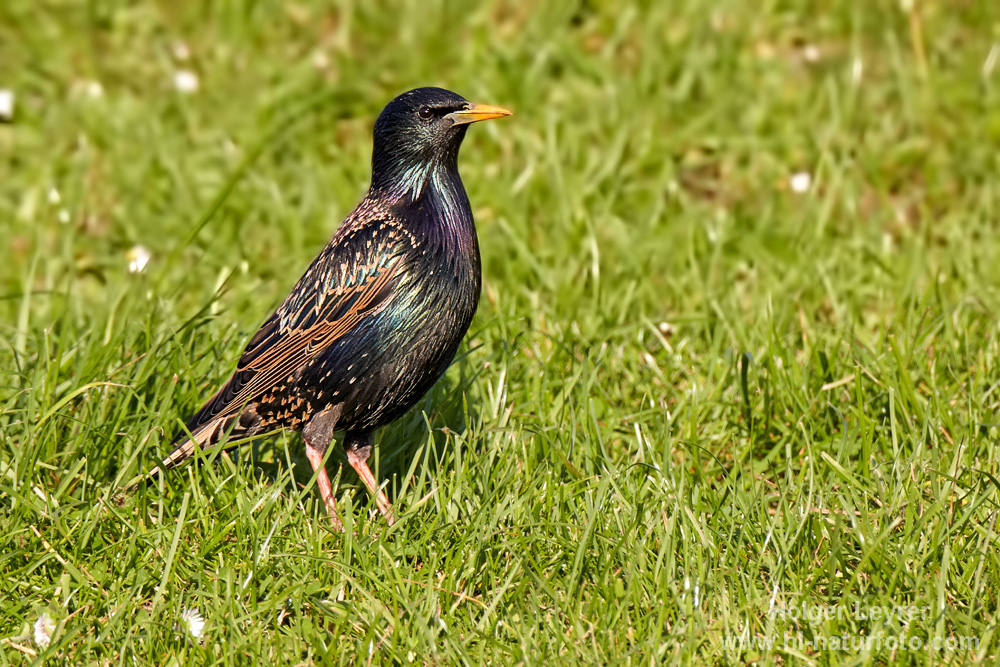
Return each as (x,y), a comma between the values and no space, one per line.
(378,316)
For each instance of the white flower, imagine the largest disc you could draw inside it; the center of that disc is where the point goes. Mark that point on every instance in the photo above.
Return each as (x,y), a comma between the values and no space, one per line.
(800,182)
(6,105)
(87,88)
(181,51)
(320,60)
(192,623)
(54,196)
(185,81)
(44,629)
(138,258)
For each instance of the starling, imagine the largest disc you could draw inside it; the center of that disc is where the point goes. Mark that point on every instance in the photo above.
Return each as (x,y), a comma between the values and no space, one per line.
(378,316)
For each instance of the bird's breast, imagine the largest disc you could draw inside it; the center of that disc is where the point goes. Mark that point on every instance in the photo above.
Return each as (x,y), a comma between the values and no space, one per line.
(392,358)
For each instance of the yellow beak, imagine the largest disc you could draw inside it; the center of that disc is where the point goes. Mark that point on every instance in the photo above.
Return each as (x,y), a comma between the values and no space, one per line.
(477,113)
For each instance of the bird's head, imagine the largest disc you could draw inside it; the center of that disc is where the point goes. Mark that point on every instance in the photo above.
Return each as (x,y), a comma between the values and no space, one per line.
(421,131)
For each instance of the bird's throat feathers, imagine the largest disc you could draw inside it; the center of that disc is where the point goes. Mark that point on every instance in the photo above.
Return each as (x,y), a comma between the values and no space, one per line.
(410,179)
(411,182)
(433,186)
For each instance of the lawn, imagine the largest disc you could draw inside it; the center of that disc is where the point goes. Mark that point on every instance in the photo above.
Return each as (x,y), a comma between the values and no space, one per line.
(730,396)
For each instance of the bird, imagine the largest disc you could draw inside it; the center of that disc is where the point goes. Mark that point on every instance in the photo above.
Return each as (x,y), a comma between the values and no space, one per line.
(377,317)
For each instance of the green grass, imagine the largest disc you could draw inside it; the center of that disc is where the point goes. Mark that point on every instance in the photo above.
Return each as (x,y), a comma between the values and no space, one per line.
(692,401)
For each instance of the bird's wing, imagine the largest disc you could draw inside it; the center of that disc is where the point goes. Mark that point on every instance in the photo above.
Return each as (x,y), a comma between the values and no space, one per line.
(353,279)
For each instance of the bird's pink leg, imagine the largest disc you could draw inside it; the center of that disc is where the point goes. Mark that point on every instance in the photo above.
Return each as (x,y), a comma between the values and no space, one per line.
(318,434)
(315,457)
(358,458)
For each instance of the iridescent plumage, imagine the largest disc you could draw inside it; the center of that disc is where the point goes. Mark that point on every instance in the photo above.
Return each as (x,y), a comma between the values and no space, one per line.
(379,315)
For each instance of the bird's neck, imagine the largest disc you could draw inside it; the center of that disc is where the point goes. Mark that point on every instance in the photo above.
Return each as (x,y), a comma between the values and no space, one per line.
(432,191)
(432,202)
(402,182)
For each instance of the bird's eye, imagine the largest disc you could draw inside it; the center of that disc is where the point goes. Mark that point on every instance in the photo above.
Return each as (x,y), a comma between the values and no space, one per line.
(425,113)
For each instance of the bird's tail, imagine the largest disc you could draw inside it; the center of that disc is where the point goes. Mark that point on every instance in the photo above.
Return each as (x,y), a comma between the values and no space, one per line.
(185,447)
(199,434)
